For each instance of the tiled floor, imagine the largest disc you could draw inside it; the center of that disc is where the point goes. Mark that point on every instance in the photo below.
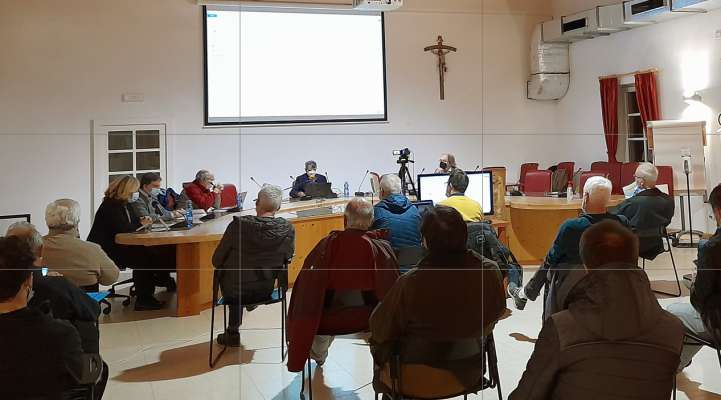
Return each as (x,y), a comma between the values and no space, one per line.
(156,356)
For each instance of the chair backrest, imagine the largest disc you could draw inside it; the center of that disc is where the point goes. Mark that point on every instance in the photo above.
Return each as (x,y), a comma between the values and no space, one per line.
(409,256)
(537,182)
(619,370)
(229,196)
(568,166)
(584,177)
(628,170)
(665,177)
(614,175)
(525,169)
(375,182)
(599,166)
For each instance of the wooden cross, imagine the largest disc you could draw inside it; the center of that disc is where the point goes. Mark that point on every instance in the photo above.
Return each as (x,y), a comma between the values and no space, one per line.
(441,50)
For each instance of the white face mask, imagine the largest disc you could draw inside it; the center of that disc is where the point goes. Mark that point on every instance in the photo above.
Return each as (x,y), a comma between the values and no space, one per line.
(311,173)
(135,196)
(155,192)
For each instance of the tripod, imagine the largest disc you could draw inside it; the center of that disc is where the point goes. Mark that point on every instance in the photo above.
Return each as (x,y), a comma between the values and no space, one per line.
(406,178)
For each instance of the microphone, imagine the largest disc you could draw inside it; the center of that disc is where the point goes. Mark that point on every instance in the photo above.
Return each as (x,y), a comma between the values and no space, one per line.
(686,166)
(477,166)
(256,182)
(327,177)
(359,193)
(422,171)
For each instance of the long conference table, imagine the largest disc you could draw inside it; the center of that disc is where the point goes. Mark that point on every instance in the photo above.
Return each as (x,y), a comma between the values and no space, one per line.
(529,233)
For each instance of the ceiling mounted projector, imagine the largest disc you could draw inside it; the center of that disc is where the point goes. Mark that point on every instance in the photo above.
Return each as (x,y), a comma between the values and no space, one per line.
(377,5)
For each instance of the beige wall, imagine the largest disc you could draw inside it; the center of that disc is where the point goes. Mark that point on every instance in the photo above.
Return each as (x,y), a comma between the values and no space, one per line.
(567,7)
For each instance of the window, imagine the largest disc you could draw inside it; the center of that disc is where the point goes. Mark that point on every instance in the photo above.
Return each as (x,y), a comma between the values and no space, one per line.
(631,127)
(293,65)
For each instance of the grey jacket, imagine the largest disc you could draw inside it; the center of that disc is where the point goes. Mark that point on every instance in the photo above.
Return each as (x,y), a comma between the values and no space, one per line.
(148,206)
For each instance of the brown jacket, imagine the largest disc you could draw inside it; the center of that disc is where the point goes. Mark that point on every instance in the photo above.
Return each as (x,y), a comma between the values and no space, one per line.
(82,263)
(613,341)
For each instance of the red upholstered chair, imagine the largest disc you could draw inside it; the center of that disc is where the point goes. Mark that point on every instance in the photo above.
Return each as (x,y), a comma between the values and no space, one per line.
(537,182)
(525,169)
(568,167)
(614,175)
(584,177)
(628,172)
(229,196)
(665,177)
(599,166)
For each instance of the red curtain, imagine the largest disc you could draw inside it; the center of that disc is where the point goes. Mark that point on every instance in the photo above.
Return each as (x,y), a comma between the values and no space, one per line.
(647,98)
(609,108)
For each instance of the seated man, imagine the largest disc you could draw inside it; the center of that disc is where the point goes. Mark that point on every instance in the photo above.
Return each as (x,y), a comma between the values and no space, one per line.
(701,317)
(203,192)
(147,204)
(250,254)
(564,255)
(613,340)
(457,184)
(453,295)
(42,357)
(83,263)
(310,176)
(446,164)
(397,214)
(341,281)
(648,210)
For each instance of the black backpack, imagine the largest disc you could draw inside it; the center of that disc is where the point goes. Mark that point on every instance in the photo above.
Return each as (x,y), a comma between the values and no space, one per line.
(483,240)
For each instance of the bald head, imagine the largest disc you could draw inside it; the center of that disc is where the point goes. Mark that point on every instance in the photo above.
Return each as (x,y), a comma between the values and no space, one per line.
(608,243)
(358,214)
(646,175)
(269,200)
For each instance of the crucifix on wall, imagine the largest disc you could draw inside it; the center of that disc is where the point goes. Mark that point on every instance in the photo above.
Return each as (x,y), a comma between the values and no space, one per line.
(441,50)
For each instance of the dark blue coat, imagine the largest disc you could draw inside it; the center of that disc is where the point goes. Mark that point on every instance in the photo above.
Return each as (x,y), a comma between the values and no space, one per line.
(397,214)
(302,180)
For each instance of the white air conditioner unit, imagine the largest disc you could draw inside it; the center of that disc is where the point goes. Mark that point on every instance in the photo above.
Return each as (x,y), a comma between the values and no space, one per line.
(642,12)
(583,25)
(694,5)
(551,32)
(377,5)
(610,18)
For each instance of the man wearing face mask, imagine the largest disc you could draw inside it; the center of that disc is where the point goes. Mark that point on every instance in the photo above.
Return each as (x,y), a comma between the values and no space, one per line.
(204,192)
(564,254)
(310,176)
(446,164)
(147,204)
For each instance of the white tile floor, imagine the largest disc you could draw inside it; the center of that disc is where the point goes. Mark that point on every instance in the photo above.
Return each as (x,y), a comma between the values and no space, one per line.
(157,357)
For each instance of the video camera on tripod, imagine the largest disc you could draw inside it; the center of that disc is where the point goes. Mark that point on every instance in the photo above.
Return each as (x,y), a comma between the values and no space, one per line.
(404,173)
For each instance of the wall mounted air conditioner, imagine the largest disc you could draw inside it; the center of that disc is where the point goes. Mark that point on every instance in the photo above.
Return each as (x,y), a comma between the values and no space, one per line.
(610,18)
(377,5)
(694,5)
(583,25)
(645,11)
(551,32)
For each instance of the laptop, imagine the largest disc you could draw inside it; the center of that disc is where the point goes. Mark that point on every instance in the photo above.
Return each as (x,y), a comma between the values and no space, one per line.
(236,208)
(423,206)
(319,191)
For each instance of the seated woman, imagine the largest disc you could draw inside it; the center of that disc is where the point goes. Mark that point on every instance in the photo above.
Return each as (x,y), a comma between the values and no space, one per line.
(114,217)
(42,357)
(454,296)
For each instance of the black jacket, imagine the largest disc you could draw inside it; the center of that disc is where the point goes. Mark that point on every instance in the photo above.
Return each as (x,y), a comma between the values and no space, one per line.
(251,252)
(113,217)
(648,211)
(58,297)
(40,356)
(707,286)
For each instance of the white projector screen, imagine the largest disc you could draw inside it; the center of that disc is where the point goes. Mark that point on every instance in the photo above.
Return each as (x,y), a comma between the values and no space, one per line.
(290,65)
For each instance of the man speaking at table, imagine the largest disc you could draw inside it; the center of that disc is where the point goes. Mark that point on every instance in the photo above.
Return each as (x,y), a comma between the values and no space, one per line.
(310,176)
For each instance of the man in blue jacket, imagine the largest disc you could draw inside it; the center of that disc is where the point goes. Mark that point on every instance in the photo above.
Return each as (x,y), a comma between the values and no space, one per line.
(397,214)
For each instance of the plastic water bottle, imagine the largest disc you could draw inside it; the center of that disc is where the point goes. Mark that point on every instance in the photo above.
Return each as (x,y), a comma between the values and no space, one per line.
(569,192)
(189,215)
(239,201)
(346,190)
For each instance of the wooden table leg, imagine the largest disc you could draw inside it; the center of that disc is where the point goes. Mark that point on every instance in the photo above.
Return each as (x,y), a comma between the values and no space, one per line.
(195,277)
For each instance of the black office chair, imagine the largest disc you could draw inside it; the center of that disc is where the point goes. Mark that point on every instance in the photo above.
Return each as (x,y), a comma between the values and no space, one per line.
(279,295)
(112,294)
(488,358)
(654,234)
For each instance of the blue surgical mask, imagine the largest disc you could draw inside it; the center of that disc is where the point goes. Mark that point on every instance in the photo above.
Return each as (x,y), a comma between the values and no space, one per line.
(155,192)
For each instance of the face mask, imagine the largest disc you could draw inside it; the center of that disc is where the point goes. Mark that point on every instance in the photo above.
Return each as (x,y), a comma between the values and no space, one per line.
(311,173)
(135,196)
(443,165)
(155,192)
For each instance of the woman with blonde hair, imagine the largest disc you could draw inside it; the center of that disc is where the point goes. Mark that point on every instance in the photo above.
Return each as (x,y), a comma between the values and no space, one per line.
(113,217)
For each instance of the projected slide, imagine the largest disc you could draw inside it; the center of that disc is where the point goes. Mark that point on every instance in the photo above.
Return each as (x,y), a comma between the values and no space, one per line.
(272,65)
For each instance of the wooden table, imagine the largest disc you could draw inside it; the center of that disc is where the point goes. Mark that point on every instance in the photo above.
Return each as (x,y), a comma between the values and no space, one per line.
(195,247)
(534,223)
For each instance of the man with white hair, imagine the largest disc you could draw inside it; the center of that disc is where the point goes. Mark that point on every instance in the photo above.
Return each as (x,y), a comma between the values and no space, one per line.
(564,254)
(204,192)
(397,214)
(82,263)
(649,210)
(251,253)
(341,281)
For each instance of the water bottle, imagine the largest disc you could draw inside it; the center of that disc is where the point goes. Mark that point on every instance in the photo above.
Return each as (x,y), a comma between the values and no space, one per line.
(189,215)
(239,201)
(569,192)
(346,190)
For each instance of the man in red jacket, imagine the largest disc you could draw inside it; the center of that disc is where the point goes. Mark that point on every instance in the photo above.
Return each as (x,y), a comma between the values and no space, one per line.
(203,191)
(341,281)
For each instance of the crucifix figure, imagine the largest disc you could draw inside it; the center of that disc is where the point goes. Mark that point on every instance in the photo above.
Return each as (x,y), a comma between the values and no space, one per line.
(441,50)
